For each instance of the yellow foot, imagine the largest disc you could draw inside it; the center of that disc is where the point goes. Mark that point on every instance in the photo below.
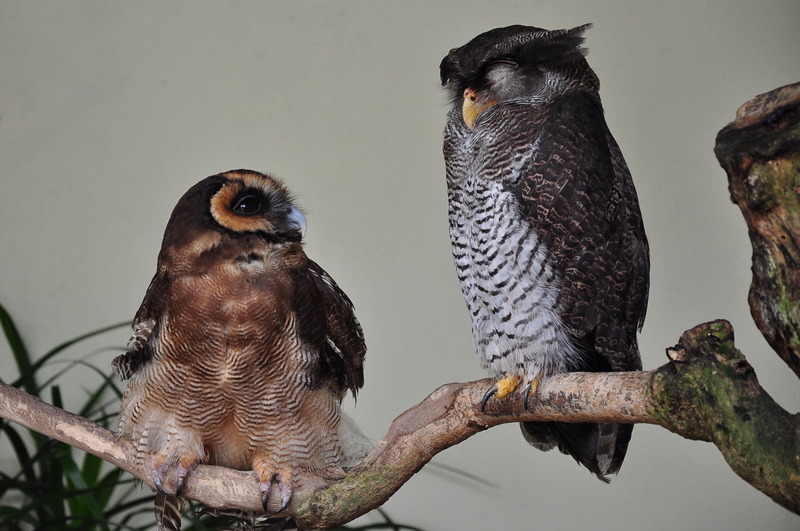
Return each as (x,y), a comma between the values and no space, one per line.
(530,389)
(506,386)
(501,389)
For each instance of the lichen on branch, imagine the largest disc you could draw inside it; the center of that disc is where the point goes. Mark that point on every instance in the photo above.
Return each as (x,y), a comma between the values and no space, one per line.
(760,152)
(707,391)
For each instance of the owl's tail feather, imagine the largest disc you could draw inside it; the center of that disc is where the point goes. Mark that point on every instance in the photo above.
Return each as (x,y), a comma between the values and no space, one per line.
(168,511)
(248,521)
(599,447)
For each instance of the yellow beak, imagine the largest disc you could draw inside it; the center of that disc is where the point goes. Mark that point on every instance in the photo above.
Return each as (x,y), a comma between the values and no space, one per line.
(473,107)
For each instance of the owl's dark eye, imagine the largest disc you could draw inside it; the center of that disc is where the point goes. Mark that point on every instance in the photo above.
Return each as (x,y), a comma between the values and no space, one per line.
(504,62)
(248,205)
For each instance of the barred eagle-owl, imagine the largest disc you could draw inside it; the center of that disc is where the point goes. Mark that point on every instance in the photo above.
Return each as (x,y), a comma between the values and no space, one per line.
(545,226)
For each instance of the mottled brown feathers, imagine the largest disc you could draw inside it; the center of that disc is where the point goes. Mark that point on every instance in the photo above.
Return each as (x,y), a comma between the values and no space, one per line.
(242,348)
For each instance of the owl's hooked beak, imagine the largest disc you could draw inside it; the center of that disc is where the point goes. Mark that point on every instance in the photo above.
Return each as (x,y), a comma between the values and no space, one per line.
(298,221)
(472,107)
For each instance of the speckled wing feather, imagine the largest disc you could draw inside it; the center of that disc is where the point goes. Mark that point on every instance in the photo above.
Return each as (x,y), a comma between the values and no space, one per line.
(145,327)
(335,332)
(581,201)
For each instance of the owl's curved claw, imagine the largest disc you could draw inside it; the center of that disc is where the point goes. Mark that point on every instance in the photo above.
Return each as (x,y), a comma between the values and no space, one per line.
(526,393)
(159,487)
(265,486)
(501,389)
(530,389)
(489,394)
(180,479)
(158,480)
(286,494)
(159,474)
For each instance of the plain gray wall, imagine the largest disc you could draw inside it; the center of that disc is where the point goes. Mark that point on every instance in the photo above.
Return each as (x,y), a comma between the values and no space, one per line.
(111,110)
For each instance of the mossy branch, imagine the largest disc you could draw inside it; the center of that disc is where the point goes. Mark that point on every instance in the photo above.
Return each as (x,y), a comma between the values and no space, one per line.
(760,151)
(710,393)
(707,391)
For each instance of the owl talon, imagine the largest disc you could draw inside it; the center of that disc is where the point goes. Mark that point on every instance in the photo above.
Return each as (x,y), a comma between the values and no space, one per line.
(180,480)
(265,486)
(158,479)
(529,389)
(489,394)
(159,474)
(286,495)
(505,386)
(526,393)
(159,487)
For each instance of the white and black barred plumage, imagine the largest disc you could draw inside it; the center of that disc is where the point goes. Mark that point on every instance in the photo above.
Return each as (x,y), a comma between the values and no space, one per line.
(545,226)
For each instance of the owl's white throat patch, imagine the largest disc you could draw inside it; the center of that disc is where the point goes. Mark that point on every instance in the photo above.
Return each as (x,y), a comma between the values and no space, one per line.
(252,261)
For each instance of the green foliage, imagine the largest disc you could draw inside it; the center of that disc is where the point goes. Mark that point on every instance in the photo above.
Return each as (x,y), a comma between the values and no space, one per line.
(58,487)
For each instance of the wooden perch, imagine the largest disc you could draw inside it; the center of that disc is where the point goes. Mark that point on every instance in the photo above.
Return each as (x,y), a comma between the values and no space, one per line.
(760,151)
(706,392)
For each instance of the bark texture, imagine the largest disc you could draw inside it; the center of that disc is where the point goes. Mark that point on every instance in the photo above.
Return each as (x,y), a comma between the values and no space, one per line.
(707,391)
(760,151)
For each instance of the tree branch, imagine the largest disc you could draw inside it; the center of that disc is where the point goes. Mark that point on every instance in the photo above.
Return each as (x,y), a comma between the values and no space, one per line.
(706,392)
(760,151)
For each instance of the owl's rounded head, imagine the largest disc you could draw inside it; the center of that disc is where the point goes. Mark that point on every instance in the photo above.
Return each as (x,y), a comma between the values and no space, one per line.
(237,207)
(516,63)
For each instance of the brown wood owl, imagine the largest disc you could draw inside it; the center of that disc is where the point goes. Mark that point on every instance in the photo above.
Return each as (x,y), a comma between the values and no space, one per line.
(243,347)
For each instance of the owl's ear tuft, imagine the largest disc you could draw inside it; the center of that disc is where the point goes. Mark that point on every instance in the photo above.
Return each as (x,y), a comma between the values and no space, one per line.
(557,48)
(447,68)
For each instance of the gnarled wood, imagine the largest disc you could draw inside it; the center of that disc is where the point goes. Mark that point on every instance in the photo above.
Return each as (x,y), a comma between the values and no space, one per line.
(707,392)
(760,151)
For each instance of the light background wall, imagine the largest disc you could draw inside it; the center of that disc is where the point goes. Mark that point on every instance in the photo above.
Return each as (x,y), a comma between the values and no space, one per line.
(109,111)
